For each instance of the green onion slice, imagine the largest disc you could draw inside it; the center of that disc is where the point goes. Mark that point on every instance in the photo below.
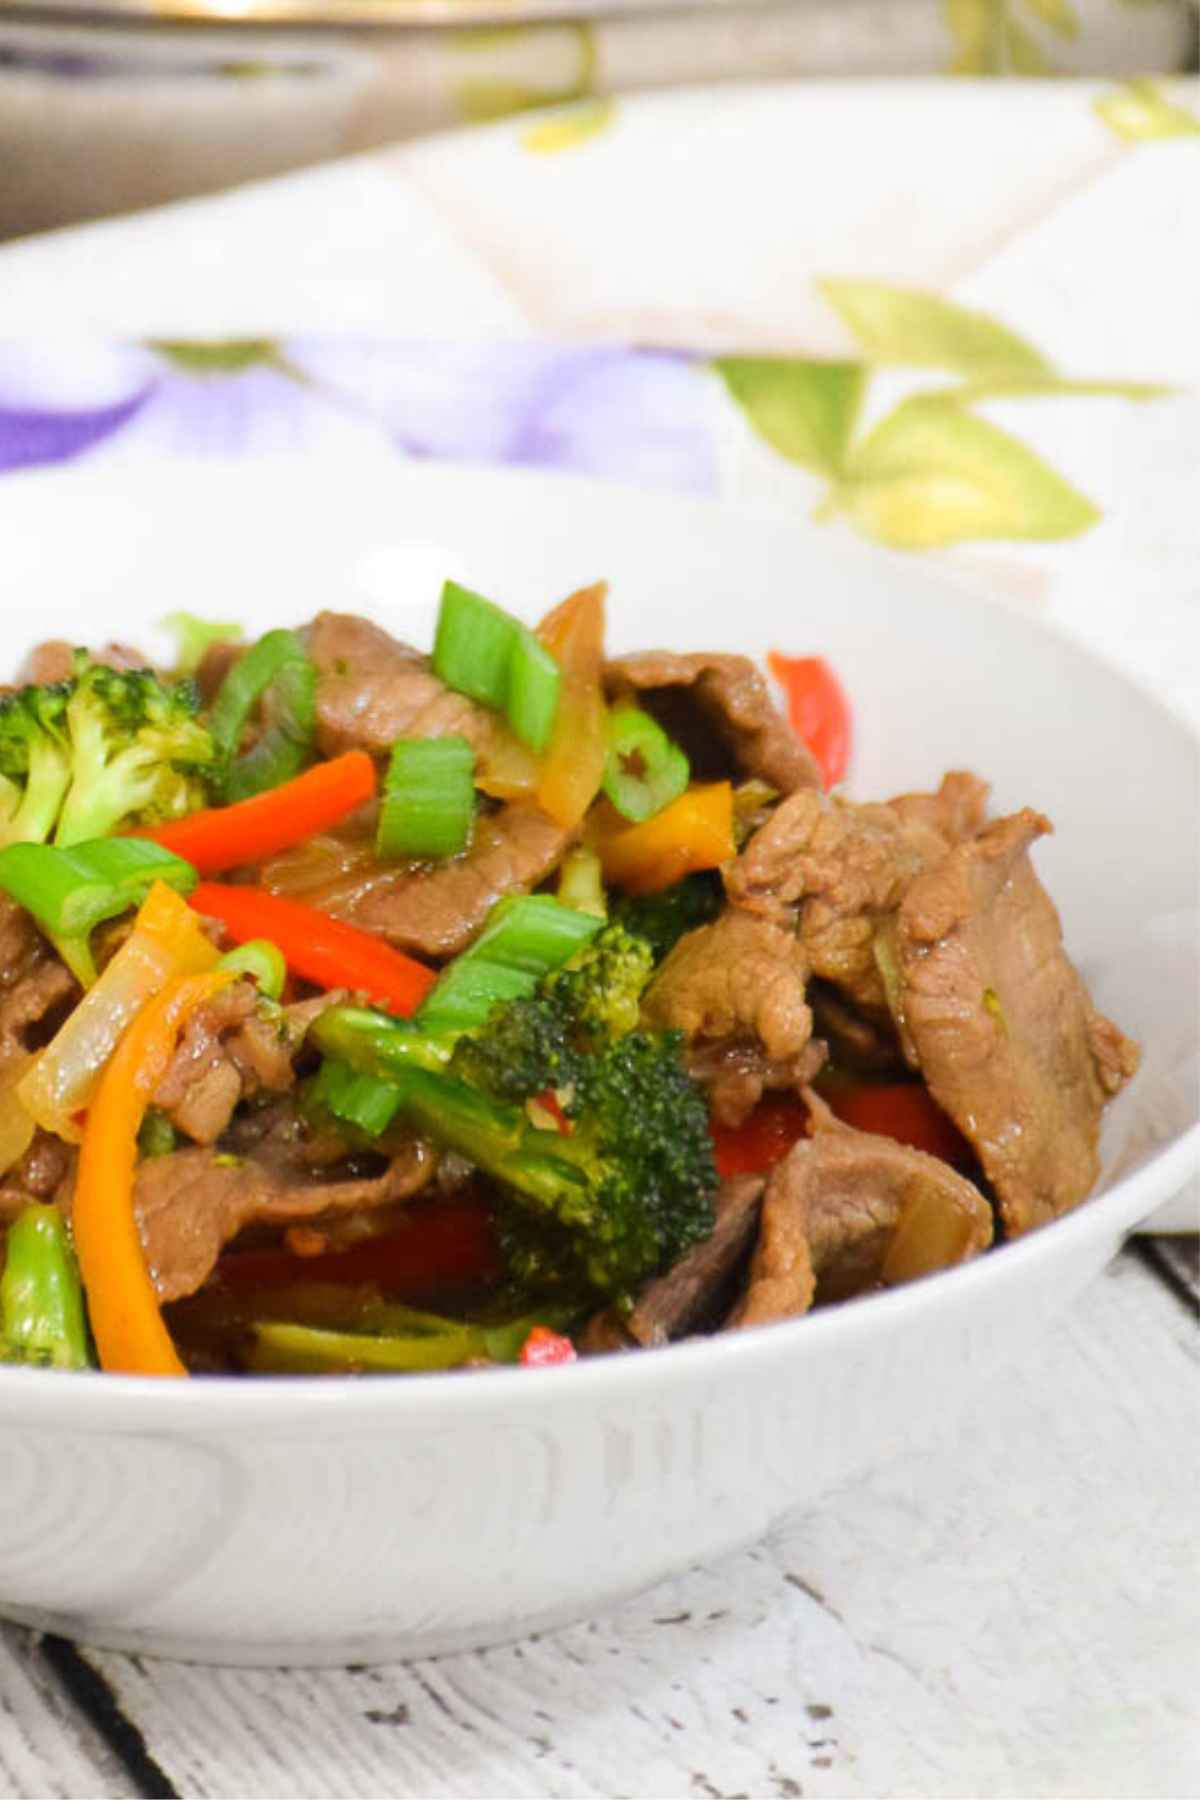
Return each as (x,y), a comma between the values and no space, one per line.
(428,803)
(71,891)
(473,645)
(277,672)
(527,936)
(365,1101)
(645,771)
(534,683)
(194,637)
(263,961)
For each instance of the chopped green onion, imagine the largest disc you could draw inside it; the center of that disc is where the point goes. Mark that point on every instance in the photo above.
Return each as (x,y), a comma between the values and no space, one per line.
(428,802)
(276,668)
(527,936)
(395,1044)
(581,882)
(70,892)
(645,771)
(263,961)
(473,645)
(396,1339)
(195,637)
(482,651)
(42,1317)
(534,682)
(157,1136)
(364,1101)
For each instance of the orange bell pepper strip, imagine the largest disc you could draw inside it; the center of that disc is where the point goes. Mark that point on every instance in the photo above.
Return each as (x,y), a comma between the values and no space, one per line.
(226,837)
(123,1309)
(167,941)
(694,832)
(573,763)
(818,710)
(325,951)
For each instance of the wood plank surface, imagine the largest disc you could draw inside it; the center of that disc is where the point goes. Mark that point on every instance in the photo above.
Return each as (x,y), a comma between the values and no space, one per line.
(46,1747)
(1016,1613)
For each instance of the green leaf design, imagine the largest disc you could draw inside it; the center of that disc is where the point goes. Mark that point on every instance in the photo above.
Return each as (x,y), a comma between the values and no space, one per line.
(932,474)
(1051,387)
(217,356)
(974,28)
(1059,15)
(564,130)
(803,408)
(485,98)
(904,326)
(1139,111)
(1025,54)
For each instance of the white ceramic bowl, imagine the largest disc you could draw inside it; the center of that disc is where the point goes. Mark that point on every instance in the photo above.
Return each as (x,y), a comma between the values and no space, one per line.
(326,1521)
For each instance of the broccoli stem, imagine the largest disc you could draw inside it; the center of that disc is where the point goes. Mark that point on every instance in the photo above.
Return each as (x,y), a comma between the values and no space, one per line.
(42,1316)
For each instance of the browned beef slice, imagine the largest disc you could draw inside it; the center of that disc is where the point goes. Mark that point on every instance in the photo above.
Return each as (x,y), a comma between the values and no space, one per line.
(709,696)
(55,661)
(735,988)
(1000,1023)
(690,1295)
(832,1212)
(738,975)
(371,690)
(193,1202)
(437,910)
(846,868)
(227,1052)
(33,983)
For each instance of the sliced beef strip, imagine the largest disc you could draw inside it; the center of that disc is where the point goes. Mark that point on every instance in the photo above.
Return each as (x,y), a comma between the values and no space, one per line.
(437,910)
(55,661)
(842,871)
(735,989)
(831,1213)
(371,690)
(192,1203)
(999,1022)
(34,984)
(693,1294)
(736,1073)
(229,1052)
(720,710)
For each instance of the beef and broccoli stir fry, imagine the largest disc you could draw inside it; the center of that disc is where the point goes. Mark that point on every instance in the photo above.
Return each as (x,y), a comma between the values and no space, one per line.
(365,1010)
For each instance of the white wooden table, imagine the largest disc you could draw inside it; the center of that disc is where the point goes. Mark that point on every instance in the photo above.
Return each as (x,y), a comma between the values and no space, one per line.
(1014,1613)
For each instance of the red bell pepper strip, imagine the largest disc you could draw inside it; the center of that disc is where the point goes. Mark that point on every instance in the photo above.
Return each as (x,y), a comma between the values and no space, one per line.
(763,1140)
(818,710)
(543,1349)
(905,1111)
(443,1244)
(226,837)
(325,951)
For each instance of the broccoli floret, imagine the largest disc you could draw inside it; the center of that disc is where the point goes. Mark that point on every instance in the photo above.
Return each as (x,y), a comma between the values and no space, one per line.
(632,1185)
(662,919)
(601,988)
(108,747)
(35,762)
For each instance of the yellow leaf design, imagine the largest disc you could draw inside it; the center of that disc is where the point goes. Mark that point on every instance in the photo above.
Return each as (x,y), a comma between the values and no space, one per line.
(564,130)
(973,26)
(485,98)
(903,326)
(1025,54)
(1139,111)
(1059,15)
(805,409)
(932,474)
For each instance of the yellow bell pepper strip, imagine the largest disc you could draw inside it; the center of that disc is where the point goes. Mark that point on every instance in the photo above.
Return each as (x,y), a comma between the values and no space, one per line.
(126,1321)
(573,763)
(694,832)
(167,941)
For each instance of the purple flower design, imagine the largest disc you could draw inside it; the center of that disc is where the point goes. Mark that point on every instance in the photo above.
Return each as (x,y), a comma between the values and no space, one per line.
(636,415)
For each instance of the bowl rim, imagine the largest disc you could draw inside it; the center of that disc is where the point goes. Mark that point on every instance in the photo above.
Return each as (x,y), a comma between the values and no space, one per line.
(98,1402)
